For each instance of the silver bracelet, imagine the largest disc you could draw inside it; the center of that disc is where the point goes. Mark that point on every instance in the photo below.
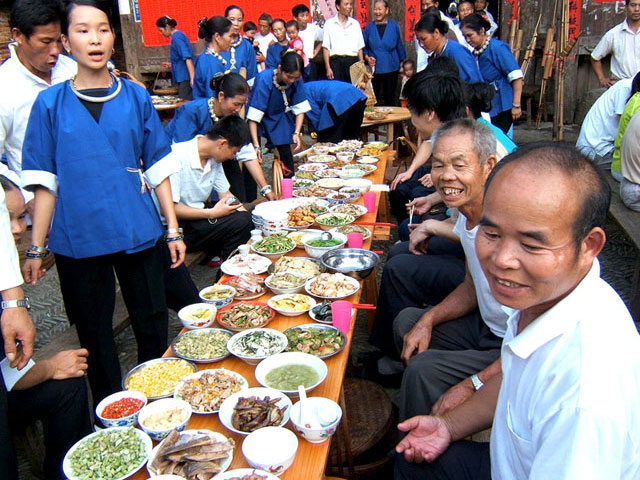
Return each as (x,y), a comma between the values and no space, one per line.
(177,238)
(266,190)
(174,230)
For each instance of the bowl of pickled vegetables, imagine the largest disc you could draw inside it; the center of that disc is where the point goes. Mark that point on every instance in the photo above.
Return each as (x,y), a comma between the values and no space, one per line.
(316,246)
(285,282)
(218,295)
(198,315)
(121,409)
(274,247)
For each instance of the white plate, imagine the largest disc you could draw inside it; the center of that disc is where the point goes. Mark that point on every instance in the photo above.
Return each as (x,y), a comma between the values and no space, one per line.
(311,167)
(290,313)
(351,280)
(66,463)
(224,464)
(361,208)
(196,375)
(242,472)
(226,409)
(259,264)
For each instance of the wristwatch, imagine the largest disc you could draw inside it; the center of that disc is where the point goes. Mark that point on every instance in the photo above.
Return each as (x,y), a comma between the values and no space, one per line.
(24,303)
(477,383)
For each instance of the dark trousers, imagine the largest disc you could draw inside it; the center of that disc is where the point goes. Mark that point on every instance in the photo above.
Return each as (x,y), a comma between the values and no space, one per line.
(407,191)
(179,288)
(250,185)
(286,157)
(236,179)
(184,90)
(503,120)
(384,86)
(219,238)
(340,65)
(345,126)
(63,408)
(8,459)
(89,290)
(415,281)
(463,460)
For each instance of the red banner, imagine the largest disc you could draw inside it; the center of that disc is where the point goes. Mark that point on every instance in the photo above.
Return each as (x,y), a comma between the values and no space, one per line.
(362,12)
(411,17)
(187,13)
(575,11)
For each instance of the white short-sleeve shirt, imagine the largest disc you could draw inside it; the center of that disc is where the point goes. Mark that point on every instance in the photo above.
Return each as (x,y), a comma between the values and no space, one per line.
(311,34)
(193,184)
(493,313)
(343,40)
(568,405)
(624,46)
(600,127)
(264,41)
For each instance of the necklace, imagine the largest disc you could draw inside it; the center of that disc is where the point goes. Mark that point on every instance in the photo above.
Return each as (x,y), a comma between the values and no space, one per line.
(88,98)
(444,46)
(222,60)
(479,51)
(282,90)
(238,42)
(212,113)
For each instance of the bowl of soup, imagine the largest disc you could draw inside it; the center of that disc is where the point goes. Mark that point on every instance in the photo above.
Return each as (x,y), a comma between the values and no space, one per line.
(285,371)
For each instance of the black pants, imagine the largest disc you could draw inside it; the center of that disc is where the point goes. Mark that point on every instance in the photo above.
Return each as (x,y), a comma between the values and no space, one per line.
(463,460)
(415,281)
(179,288)
(286,157)
(340,65)
(89,290)
(184,90)
(503,120)
(63,408)
(407,191)
(250,185)
(236,179)
(345,126)
(384,86)
(222,237)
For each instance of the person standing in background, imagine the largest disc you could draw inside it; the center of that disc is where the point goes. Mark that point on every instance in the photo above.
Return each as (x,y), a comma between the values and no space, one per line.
(241,54)
(216,31)
(264,37)
(384,50)
(295,42)
(342,43)
(311,35)
(182,69)
(275,50)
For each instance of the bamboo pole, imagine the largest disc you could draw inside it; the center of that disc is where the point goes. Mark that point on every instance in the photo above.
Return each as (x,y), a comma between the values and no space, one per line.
(518,46)
(530,51)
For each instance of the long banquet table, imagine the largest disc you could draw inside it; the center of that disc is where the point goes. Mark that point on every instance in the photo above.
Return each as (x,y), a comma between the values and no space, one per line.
(310,460)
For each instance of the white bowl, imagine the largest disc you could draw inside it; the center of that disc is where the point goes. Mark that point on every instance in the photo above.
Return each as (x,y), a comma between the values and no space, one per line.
(317,252)
(291,358)
(330,183)
(321,158)
(336,198)
(345,156)
(362,183)
(351,173)
(347,219)
(275,256)
(290,313)
(226,409)
(255,359)
(355,283)
(362,210)
(271,448)
(281,290)
(313,406)
(184,314)
(127,421)
(353,196)
(368,160)
(158,406)
(241,473)
(223,302)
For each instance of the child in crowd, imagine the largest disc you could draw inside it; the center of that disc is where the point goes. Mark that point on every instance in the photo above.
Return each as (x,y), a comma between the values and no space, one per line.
(408,71)
(249,29)
(295,42)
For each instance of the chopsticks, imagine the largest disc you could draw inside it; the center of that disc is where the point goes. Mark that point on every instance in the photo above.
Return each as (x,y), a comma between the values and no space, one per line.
(364,306)
(377,224)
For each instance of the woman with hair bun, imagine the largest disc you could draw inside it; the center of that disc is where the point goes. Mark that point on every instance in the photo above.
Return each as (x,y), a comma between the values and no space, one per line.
(231,92)
(431,33)
(216,31)
(241,54)
(181,52)
(498,67)
(278,95)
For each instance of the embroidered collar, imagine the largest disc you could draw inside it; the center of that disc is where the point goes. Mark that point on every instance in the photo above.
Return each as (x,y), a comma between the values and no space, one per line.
(479,51)
(282,90)
(232,67)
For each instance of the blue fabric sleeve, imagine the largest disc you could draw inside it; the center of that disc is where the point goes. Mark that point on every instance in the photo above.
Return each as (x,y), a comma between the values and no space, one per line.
(185,124)
(202,77)
(156,143)
(39,147)
(273,56)
(184,46)
(300,95)
(259,98)
(367,39)
(506,62)
(252,65)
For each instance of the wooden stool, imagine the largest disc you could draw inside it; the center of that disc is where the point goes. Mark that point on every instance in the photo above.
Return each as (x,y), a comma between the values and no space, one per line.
(366,419)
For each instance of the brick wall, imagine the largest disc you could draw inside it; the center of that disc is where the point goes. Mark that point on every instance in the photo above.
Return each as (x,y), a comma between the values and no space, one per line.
(5,33)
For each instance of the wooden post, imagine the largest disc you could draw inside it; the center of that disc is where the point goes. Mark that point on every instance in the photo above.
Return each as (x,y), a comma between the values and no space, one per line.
(132,43)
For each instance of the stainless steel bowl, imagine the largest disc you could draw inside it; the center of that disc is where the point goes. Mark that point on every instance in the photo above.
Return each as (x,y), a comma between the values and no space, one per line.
(354,262)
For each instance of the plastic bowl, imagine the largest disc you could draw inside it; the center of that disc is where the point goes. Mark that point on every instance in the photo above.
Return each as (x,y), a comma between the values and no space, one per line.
(127,421)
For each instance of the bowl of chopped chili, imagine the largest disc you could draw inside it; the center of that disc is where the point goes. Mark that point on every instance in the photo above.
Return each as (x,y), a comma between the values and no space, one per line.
(121,409)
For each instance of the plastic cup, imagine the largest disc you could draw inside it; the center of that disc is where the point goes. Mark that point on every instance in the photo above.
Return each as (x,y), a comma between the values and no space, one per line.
(370,201)
(243,250)
(341,315)
(355,239)
(286,187)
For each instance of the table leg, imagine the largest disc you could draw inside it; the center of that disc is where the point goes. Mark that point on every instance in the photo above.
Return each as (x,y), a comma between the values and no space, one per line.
(344,424)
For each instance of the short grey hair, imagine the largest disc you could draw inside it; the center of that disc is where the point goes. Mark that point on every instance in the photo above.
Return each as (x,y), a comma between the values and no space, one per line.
(484,140)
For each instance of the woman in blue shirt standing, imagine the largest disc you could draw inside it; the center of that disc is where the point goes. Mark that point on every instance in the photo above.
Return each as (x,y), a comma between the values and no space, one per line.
(384,50)
(431,33)
(216,31)
(241,54)
(93,149)
(181,56)
(277,104)
(498,67)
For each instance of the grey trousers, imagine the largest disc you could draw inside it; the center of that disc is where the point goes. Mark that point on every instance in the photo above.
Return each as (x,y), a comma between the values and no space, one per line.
(458,349)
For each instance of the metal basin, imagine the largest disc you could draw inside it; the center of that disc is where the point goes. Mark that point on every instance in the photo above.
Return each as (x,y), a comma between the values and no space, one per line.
(355,262)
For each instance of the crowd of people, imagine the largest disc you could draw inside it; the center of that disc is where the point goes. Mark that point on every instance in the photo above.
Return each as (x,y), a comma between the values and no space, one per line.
(490,307)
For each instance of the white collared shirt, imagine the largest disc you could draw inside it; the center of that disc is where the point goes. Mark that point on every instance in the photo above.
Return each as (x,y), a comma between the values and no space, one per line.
(494,315)
(193,184)
(10,275)
(310,35)
(343,40)
(18,90)
(568,405)
(624,46)
(264,41)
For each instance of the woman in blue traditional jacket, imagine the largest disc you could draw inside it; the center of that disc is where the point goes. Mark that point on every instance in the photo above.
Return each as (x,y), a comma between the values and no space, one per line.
(498,67)
(277,104)
(94,146)
(384,50)
(198,116)
(216,32)
(337,109)
(241,54)
(181,53)
(275,50)
(431,33)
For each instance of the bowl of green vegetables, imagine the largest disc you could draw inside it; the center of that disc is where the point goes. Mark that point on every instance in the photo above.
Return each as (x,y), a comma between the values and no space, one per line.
(273,247)
(316,246)
(329,220)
